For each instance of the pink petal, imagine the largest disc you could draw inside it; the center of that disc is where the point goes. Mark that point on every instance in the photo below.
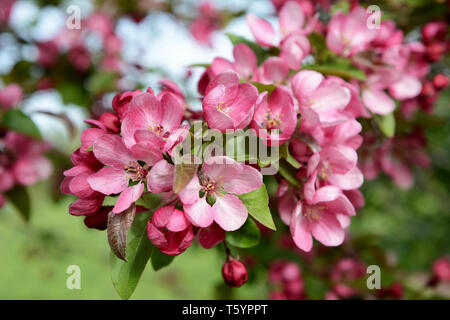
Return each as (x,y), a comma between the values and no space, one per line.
(222,168)
(229,212)
(348,181)
(245,60)
(171,112)
(88,137)
(326,194)
(178,221)
(129,196)
(80,187)
(304,83)
(190,193)
(147,152)
(262,30)
(200,213)
(408,87)
(292,18)
(328,230)
(247,181)
(300,230)
(110,150)
(378,101)
(275,70)
(211,236)
(109,180)
(161,177)
(84,207)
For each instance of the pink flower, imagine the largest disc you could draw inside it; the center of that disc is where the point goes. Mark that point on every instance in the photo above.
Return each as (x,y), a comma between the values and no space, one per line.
(150,121)
(123,167)
(294,45)
(170,231)
(220,180)
(275,118)
(292,20)
(318,215)
(337,165)
(229,104)
(245,63)
(10,96)
(206,22)
(319,101)
(348,34)
(441,269)
(273,71)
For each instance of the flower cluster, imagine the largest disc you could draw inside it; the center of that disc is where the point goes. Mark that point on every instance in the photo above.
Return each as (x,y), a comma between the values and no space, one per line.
(309,113)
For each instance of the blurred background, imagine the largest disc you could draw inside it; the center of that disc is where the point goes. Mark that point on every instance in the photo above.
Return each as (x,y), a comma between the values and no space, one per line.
(68,77)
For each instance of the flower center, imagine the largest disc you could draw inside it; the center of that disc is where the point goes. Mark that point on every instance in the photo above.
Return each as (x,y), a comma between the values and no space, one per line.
(223,107)
(135,171)
(271,121)
(212,187)
(325,170)
(313,212)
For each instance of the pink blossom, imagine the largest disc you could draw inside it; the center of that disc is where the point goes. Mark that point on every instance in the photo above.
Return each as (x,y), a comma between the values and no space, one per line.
(206,22)
(317,215)
(275,118)
(170,231)
(10,96)
(122,167)
(294,45)
(150,121)
(348,34)
(220,180)
(229,104)
(319,101)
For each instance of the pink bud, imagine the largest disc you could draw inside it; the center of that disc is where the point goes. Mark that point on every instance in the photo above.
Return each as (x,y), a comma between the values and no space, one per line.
(440,81)
(441,269)
(234,273)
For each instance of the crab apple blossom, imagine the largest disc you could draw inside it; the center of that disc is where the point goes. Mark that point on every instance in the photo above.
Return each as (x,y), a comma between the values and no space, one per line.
(229,104)
(275,117)
(123,167)
(221,179)
(320,102)
(170,231)
(348,33)
(317,214)
(150,121)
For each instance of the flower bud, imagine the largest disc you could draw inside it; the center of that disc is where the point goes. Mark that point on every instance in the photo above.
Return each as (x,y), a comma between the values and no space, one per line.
(440,81)
(234,273)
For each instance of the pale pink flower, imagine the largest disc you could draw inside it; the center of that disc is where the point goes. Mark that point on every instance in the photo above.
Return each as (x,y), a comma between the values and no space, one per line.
(223,179)
(320,102)
(317,215)
(348,34)
(229,104)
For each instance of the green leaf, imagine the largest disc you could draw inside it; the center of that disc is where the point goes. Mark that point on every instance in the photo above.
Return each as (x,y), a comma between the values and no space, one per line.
(246,236)
(284,151)
(125,275)
(261,53)
(202,65)
(288,173)
(102,82)
(18,121)
(263,87)
(160,260)
(257,204)
(18,196)
(386,124)
(346,71)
